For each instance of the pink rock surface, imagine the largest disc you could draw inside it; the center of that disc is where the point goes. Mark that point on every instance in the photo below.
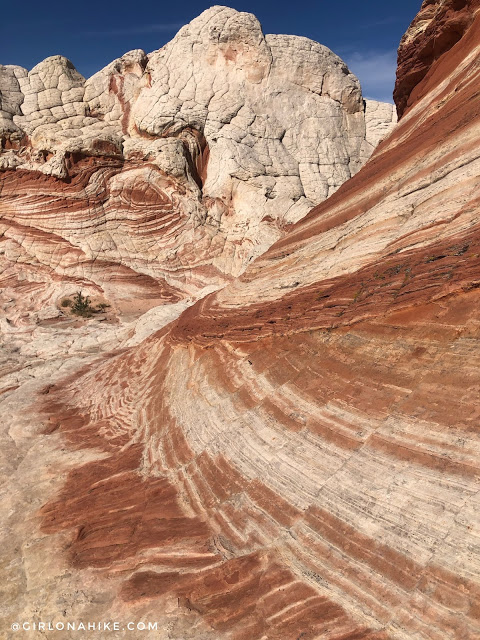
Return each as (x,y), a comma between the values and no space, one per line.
(296,454)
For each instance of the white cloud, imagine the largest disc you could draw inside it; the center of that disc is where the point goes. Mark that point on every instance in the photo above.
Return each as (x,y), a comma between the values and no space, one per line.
(376,72)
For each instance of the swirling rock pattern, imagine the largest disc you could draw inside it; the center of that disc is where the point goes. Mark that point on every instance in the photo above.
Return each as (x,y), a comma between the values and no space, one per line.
(172,171)
(296,454)
(438,26)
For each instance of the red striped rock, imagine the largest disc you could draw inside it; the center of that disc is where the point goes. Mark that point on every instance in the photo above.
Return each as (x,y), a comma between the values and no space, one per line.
(295,455)
(170,172)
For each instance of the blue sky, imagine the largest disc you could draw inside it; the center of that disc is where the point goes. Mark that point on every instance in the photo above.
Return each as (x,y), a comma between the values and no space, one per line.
(365,34)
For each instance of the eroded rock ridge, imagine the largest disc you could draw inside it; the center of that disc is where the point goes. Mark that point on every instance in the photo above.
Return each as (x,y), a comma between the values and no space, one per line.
(168,172)
(296,455)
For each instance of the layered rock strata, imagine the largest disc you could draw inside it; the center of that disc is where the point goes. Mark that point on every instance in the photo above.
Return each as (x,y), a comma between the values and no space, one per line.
(296,455)
(163,174)
(437,28)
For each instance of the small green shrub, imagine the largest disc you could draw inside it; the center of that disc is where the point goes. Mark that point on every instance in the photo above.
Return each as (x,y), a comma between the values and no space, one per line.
(81,305)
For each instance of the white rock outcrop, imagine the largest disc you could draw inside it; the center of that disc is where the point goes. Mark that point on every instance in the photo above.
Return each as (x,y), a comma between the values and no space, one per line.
(257,129)
(11,98)
(380,118)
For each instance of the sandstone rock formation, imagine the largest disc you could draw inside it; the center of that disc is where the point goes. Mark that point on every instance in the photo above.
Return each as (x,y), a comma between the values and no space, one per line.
(296,454)
(380,118)
(183,165)
(438,26)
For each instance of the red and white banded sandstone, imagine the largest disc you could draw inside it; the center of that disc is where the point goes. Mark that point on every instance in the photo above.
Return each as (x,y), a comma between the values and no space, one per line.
(296,454)
(170,172)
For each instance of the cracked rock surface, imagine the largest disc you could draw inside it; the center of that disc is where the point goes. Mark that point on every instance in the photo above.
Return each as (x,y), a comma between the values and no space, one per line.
(288,454)
(184,164)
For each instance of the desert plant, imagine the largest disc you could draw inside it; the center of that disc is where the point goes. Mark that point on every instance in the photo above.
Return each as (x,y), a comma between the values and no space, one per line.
(66,302)
(81,305)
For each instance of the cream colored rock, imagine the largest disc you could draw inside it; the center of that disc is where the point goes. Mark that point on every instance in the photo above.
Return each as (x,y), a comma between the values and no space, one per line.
(380,119)
(56,117)
(279,106)
(259,128)
(110,92)
(53,91)
(11,98)
(294,456)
